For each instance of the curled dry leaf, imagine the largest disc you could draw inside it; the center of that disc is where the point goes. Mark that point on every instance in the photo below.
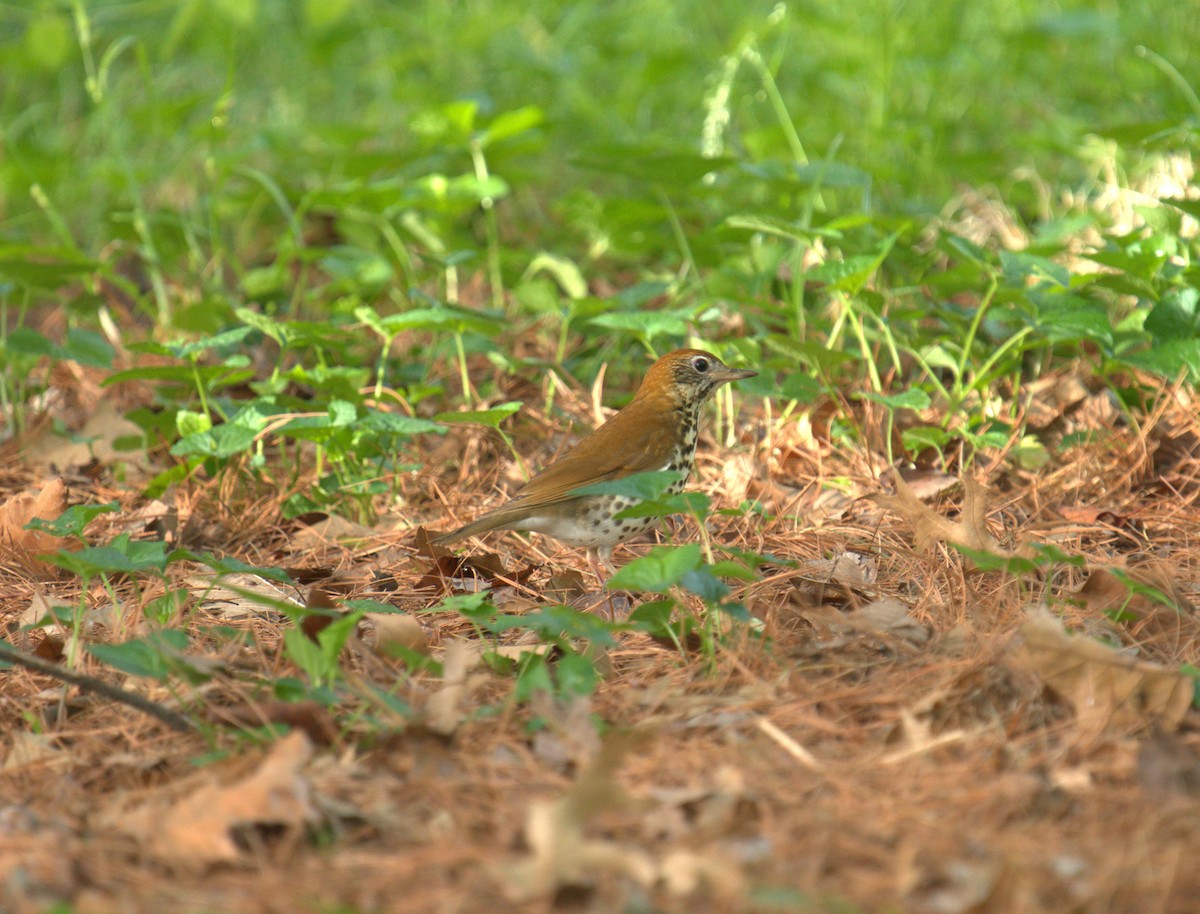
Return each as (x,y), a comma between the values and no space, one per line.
(314,719)
(96,440)
(383,631)
(198,830)
(560,851)
(930,527)
(444,711)
(232,595)
(24,546)
(1104,686)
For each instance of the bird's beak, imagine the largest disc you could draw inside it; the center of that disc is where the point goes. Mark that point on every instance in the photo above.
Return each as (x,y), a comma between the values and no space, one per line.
(733,374)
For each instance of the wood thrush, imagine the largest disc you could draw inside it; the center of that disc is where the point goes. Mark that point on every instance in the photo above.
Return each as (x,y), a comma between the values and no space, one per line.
(655,431)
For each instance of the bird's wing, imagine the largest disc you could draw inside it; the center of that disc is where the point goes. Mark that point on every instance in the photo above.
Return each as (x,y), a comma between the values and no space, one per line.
(635,440)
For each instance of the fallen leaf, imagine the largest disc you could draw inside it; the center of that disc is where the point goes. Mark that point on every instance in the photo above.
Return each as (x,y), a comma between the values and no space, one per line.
(444,710)
(1168,764)
(930,527)
(96,440)
(561,853)
(383,631)
(33,749)
(226,595)
(927,483)
(327,612)
(199,829)
(314,719)
(1105,687)
(24,546)
(328,532)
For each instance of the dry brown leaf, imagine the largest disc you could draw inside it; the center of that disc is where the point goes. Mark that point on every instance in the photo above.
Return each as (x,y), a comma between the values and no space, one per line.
(226,594)
(24,546)
(890,616)
(97,438)
(27,749)
(931,527)
(928,483)
(383,631)
(314,719)
(1104,686)
(561,853)
(198,830)
(444,710)
(329,531)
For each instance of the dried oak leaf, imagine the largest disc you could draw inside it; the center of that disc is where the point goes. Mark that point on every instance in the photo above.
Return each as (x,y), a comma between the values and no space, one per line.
(1104,686)
(930,527)
(198,830)
(24,546)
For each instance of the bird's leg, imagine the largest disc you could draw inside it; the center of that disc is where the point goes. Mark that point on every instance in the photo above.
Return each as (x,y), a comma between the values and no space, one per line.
(600,561)
(619,602)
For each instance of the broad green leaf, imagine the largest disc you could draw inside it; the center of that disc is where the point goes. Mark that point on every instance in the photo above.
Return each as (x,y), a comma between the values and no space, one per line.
(563,622)
(489,417)
(696,503)
(27,341)
(646,485)
(510,124)
(73,520)
(659,570)
(399,424)
(154,656)
(453,320)
(913,398)
(222,441)
(88,348)
(646,324)
(704,584)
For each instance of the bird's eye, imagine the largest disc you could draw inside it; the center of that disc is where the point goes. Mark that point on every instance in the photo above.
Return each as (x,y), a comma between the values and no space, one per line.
(700,363)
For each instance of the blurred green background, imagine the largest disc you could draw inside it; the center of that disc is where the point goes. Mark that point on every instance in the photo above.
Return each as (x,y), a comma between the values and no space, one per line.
(195,116)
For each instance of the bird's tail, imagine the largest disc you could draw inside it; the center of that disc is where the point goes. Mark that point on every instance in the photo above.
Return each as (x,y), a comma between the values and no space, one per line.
(495,520)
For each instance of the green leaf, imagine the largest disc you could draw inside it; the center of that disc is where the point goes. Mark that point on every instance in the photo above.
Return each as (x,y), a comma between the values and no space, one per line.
(221,442)
(230,565)
(565,272)
(704,584)
(914,398)
(42,267)
(399,424)
(153,656)
(642,486)
(645,324)
(781,228)
(489,417)
(576,675)
(453,320)
(88,348)
(659,570)
(72,521)
(27,341)
(695,503)
(121,556)
(189,422)
(511,123)
(563,622)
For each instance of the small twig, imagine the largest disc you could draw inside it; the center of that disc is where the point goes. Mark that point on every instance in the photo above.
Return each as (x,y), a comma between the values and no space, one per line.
(789,745)
(92,684)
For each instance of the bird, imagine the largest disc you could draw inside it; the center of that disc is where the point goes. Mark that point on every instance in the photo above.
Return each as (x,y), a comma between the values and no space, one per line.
(656,430)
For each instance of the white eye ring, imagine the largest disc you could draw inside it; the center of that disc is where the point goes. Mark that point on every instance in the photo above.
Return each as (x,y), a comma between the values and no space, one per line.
(700,363)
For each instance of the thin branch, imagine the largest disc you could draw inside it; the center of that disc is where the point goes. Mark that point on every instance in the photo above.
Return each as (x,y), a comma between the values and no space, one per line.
(92,684)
